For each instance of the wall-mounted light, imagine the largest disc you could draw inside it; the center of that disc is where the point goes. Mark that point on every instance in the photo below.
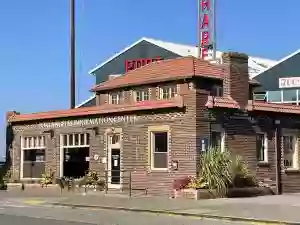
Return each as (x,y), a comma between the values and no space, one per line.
(174,165)
(277,122)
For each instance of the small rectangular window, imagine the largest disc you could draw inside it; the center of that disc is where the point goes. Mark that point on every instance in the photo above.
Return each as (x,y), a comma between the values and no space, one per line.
(290,151)
(217,137)
(82,139)
(217,90)
(168,92)
(76,139)
(261,147)
(159,147)
(115,98)
(142,95)
(34,142)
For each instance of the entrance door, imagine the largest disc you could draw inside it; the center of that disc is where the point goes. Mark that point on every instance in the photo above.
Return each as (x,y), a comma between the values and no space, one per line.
(115,166)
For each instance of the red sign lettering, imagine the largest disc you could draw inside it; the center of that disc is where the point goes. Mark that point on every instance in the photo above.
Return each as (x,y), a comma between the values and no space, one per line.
(205,26)
(205,5)
(137,63)
(204,23)
(204,38)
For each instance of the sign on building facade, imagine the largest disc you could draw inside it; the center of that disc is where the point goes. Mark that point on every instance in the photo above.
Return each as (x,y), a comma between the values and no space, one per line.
(289,82)
(206,29)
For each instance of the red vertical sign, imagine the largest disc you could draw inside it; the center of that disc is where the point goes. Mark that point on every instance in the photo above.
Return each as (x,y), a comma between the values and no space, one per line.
(206,27)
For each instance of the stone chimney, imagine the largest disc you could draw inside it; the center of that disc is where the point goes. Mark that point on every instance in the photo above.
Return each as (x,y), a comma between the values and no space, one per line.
(236,80)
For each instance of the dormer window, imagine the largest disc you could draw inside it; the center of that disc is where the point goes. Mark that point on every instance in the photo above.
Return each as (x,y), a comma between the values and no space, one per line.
(217,90)
(168,92)
(142,95)
(114,98)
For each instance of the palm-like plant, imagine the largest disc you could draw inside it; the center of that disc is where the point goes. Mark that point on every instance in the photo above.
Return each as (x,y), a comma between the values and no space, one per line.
(220,170)
(216,170)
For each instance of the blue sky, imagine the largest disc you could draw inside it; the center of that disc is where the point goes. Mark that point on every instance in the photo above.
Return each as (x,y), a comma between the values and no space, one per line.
(34,40)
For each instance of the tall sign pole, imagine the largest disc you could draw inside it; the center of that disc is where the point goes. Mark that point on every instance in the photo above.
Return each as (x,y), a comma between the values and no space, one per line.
(72,54)
(206,29)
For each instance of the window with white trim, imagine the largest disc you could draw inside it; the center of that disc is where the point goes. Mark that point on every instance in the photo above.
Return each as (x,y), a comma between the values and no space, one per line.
(114,98)
(167,92)
(33,156)
(76,140)
(217,137)
(290,151)
(114,139)
(159,149)
(262,147)
(142,95)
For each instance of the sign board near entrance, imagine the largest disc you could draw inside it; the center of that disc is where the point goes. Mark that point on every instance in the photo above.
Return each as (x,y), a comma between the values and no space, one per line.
(289,82)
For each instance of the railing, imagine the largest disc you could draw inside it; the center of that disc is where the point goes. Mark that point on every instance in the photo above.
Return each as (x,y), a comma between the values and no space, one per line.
(280,96)
(124,181)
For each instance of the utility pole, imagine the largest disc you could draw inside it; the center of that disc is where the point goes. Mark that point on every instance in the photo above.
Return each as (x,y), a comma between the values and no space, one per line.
(72,54)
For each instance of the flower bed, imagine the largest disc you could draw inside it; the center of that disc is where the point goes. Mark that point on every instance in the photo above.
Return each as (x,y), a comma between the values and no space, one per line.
(221,175)
(198,194)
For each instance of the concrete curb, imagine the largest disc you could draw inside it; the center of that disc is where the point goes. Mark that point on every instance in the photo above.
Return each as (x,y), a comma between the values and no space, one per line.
(165,212)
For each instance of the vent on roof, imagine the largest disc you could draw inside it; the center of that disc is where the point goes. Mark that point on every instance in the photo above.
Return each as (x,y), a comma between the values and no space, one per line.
(113,76)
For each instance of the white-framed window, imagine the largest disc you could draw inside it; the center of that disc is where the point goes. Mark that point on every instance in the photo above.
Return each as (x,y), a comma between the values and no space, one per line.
(33,156)
(159,146)
(167,92)
(217,137)
(115,98)
(290,150)
(75,140)
(114,139)
(262,147)
(142,95)
(70,145)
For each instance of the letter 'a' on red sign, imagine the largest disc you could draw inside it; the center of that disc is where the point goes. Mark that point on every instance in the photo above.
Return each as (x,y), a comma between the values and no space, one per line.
(204,38)
(205,5)
(204,23)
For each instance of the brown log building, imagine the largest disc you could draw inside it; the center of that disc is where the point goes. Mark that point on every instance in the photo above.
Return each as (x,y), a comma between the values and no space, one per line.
(155,121)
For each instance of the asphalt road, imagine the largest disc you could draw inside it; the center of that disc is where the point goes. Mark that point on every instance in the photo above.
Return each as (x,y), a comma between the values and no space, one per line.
(18,213)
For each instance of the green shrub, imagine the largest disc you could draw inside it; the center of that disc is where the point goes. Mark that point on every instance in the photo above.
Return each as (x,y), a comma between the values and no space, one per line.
(216,170)
(221,170)
(241,175)
(46,179)
(92,178)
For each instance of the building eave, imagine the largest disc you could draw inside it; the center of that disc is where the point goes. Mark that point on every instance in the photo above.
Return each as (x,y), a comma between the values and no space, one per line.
(221,102)
(98,110)
(279,62)
(273,107)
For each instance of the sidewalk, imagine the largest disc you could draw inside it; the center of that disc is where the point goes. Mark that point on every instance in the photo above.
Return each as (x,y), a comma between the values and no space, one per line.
(283,209)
